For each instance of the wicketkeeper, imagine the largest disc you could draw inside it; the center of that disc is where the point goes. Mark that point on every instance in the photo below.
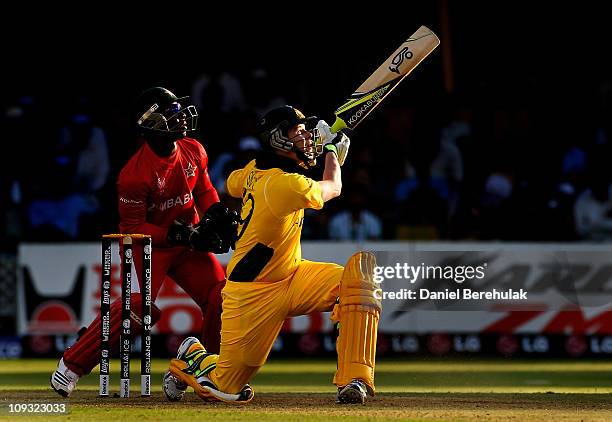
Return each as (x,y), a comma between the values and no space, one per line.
(164,191)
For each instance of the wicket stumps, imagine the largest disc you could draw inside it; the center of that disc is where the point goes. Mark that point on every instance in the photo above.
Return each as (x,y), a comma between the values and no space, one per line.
(125,344)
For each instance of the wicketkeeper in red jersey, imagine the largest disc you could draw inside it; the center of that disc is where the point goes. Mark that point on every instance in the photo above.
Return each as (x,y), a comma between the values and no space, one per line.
(165,191)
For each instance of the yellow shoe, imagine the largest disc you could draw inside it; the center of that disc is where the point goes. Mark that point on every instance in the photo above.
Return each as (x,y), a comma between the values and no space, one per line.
(195,376)
(189,348)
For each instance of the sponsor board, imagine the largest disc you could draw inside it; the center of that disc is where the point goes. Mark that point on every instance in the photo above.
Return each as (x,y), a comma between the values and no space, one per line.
(568,286)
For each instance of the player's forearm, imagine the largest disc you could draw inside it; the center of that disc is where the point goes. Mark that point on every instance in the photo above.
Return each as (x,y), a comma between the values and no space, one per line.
(205,193)
(158,234)
(204,199)
(331,185)
(133,219)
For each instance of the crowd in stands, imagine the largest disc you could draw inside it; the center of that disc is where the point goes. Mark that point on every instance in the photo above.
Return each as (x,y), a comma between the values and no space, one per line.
(461,170)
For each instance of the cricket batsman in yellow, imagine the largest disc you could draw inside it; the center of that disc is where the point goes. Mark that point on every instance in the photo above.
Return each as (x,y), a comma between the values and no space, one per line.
(268,279)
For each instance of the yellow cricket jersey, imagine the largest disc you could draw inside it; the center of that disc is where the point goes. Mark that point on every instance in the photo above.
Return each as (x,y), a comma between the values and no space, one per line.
(273,202)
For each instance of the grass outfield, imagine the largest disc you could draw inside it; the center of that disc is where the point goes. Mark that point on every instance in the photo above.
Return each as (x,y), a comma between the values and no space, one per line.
(301,390)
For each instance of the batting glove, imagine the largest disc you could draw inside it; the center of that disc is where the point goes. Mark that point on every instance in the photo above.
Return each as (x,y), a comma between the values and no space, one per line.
(340,146)
(323,133)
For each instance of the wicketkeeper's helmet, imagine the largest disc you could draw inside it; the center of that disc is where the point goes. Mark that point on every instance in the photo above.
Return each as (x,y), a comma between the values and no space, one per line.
(160,112)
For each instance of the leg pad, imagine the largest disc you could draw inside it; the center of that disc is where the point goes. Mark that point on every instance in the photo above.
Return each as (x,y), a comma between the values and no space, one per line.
(357,314)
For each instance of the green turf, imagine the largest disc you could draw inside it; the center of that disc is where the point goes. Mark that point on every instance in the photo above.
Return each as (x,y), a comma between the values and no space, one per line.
(290,390)
(395,376)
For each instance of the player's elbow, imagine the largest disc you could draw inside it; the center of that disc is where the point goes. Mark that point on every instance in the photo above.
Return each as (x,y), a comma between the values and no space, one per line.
(338,189)
(330,190)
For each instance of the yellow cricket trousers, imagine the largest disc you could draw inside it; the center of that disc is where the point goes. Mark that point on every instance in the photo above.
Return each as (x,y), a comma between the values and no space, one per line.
(254,312)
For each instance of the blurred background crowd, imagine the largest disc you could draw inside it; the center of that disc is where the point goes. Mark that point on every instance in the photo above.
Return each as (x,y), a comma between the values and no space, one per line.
(504,133)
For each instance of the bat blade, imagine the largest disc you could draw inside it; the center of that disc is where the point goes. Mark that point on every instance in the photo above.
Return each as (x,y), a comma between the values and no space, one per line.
(380,83)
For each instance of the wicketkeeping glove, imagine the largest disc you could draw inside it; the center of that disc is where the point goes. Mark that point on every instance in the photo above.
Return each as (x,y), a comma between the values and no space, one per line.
(199,238)
(179,233)
(205,239)
(217,230)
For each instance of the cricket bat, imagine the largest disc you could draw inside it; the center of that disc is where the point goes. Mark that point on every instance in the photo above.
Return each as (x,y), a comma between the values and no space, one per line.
(399,65)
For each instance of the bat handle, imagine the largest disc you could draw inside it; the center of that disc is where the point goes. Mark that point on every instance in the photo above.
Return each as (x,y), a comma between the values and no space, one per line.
(338,125)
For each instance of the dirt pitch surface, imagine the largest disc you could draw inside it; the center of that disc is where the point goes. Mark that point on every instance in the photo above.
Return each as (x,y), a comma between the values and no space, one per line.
(301,390)
(85,405)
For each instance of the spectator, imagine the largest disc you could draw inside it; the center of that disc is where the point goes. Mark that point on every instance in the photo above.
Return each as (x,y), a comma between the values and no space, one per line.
(79,163)
(19,123)
(230,160)
(423,214)
(496,206)
(356,222)
(261,92)
(219,98)
(218,91)
(446,171)
(593,211)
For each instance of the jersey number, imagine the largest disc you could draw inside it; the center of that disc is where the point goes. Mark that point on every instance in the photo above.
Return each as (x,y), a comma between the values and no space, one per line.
(245,222)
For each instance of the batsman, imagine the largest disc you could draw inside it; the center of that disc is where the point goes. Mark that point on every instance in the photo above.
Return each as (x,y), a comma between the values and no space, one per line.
(269,281)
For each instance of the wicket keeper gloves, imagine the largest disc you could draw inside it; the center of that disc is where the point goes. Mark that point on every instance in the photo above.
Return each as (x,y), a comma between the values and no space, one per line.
(179,233)
(339,146)
(199,238)
(217,231)
(206,239)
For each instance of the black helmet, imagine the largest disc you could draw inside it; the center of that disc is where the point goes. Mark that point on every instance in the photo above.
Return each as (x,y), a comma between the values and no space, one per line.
(160,112)
(274,126)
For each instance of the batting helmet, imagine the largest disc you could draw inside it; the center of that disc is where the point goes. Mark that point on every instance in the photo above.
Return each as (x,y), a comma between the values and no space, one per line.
(274,126)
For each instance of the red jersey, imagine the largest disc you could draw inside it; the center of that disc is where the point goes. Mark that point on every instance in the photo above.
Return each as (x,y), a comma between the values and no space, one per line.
(154,191)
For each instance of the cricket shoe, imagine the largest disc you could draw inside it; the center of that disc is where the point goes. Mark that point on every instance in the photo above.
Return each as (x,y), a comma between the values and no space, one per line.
(354,392)
(174,389)
(194,373)
(63,380)
(189,348)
